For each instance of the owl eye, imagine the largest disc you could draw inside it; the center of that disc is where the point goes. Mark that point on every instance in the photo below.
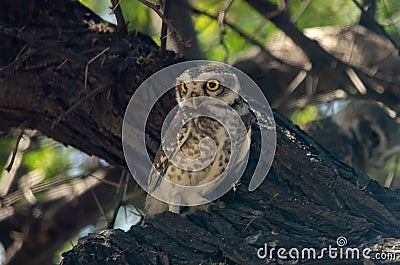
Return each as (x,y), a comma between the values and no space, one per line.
(183,87)
(212,84)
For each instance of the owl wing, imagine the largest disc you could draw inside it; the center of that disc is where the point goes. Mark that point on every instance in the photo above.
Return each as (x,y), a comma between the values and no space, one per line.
(170,141)
(243,142)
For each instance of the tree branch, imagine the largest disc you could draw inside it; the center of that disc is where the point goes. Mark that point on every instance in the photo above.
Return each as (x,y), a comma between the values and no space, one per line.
(119,16)
(281,18)
(305,202)
(165,21)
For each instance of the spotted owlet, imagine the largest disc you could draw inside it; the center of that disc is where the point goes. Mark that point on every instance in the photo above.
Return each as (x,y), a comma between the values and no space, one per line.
(218,82)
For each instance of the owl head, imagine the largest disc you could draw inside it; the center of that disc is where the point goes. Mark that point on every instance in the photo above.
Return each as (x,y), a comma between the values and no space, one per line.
(211,80)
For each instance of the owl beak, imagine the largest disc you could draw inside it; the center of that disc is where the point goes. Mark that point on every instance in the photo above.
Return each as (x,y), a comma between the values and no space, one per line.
(194,102)
(195,91)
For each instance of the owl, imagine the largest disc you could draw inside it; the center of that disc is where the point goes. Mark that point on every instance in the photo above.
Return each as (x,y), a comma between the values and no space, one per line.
(212,81)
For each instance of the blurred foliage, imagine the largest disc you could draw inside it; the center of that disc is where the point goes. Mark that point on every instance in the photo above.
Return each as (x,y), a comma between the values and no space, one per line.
(55,159)
(307,114)
(6,147)
(391,167)
(67,246)
(388,15)
(318,111)
(47,158)
(240,14)
(317,13)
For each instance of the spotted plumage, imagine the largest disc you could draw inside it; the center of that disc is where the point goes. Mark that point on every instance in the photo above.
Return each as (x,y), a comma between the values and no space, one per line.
(214,81)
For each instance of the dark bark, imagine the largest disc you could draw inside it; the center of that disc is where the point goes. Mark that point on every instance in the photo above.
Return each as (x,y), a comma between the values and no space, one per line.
(308,199)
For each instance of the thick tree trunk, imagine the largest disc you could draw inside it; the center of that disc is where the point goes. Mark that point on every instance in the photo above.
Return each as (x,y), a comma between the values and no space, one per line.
(69,75)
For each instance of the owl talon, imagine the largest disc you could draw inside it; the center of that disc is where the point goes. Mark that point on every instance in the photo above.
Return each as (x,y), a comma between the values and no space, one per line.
(209,207)
(216,206)
(174,209)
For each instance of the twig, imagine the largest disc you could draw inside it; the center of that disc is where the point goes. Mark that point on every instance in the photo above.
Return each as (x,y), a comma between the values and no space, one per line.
(390,22)
(300,11)
(15,150)
(164,27)
(119,16)
(22,55)
(7,177)
(166,21)
(91,61)
(250,222)
(123,187)
(231,25)
(101,73)
(392,173)
(290,88)
(99,205)
(221,22)
(102,180)
(355,79)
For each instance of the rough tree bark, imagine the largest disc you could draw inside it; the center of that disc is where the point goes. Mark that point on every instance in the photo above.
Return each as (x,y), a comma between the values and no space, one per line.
(70,75)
